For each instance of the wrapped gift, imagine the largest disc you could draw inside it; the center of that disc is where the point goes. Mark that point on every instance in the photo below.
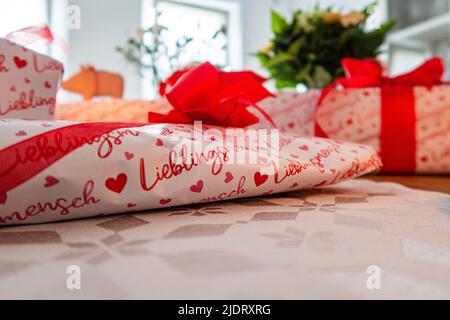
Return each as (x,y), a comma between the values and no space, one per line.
(50,169)
(406,118)
(28,82)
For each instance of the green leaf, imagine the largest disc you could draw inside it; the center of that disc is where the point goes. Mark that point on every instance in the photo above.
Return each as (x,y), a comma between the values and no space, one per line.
(279,23)
(321,77)
(281,58)
(263,58)
(296,46)
(280,84)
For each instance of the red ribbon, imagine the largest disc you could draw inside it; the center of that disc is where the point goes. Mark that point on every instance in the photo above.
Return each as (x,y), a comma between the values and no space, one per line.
(214,97)
(398,115)
(31,34)
(25,159)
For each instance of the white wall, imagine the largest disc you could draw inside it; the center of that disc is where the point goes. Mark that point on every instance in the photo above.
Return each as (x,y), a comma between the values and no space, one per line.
(107,23)
(104,25)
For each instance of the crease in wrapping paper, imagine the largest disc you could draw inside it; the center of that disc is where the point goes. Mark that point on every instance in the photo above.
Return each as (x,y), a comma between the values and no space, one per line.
(138,167)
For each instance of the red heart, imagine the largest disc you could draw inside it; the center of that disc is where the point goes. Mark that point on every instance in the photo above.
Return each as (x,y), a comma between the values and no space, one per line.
(50,181)
(197,187)
(294,185)
(27,80)
(117,184)
(3,197)
(47,85)
(228,177)
(304,147)
(159,142)
(21,133)
(260,178)
(268,192)
(129,155)
(12,89)
(164,201)
(131,205)
(20,63)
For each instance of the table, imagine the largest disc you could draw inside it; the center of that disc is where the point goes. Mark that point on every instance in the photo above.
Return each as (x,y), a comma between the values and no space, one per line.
(430,183)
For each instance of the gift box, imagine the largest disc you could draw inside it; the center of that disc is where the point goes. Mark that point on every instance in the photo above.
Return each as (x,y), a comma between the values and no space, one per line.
(50,169)
(28,82)
(406,119)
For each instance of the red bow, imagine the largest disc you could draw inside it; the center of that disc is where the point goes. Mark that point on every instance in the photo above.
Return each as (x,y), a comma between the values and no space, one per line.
(398,116)
(214,97)
(369,73)
(165,86)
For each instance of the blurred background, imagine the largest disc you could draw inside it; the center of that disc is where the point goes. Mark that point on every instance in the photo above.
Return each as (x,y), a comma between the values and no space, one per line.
(226,32)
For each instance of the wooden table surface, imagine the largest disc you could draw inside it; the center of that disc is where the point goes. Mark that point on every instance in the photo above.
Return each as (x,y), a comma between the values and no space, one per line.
(431,183)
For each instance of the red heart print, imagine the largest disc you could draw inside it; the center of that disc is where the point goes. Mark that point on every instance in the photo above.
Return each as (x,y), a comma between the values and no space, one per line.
(304,147)
(333,171)
(21,133)
(129,155)
(131,205)
(20,63)
(294,185)
(294,156)
(164,201)
(159,142)
(50,181)
(27,80)
(117,184)
(268,192)
(198,187)
(228,177)
(12,89)
(47,85)
(3,197)
(260,178)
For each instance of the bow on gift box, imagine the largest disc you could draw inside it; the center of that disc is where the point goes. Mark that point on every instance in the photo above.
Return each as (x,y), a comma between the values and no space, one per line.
(214,97)
(398,114)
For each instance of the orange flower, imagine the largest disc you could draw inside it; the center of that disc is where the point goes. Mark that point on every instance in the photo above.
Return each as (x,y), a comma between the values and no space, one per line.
(352,19)
(268,48)
(331,17)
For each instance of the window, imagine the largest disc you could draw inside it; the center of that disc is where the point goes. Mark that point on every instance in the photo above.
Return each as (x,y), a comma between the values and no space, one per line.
(212,27)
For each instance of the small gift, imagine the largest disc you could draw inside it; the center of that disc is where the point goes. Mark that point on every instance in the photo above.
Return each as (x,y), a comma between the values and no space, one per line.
(50,169)
(28,80)
(405,118)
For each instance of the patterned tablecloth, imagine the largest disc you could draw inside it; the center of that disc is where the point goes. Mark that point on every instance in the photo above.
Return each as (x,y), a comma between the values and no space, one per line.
(313,244)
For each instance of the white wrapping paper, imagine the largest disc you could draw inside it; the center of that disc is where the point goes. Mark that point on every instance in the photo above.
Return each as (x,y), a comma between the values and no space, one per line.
(51,170)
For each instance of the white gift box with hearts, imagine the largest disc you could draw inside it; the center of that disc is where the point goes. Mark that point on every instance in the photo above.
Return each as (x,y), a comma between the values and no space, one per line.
(54,170)
(28,82)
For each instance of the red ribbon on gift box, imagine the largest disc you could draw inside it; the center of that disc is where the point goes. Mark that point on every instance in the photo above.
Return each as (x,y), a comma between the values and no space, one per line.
(398,114)
(215,97)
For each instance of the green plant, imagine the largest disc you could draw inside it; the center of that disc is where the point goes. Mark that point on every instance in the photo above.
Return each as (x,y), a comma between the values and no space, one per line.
(309,49)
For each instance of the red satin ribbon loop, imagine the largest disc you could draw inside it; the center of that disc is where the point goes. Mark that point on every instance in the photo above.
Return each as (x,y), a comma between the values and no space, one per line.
(213,96)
